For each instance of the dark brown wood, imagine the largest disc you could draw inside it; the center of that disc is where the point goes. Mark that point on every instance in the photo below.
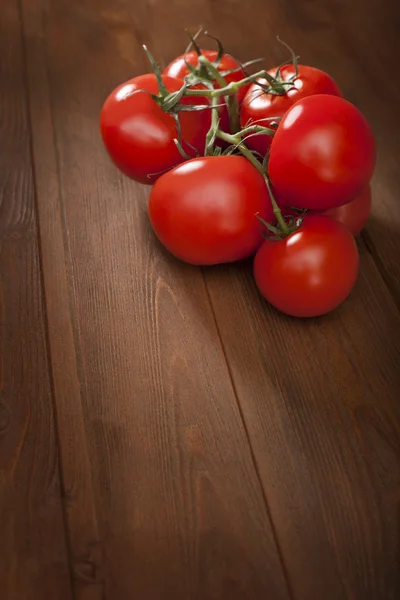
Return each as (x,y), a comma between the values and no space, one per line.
(64,336)
(153,447)
(33,554)
(210,447)
(320,399)
(320,403)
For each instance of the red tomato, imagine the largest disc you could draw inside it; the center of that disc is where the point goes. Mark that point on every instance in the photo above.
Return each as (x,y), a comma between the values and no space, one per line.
(177,68)
(139,135)
(355,214)
(258,105)
(322,155)
(203,211)
(310,272)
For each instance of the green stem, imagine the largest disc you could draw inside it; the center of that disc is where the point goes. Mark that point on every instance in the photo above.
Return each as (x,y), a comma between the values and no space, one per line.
(215,74)
(257,129)
(236,141)
(215,93)
(275,207)
(233,112)
(231,88)
(212,132)
(231,99)
(162,90)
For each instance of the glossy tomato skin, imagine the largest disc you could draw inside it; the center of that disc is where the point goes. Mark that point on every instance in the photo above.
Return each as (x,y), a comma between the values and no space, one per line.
(310,272)
(203,211)
(258,105)
(177,68)
(355,214)
(322,155)
(139,135)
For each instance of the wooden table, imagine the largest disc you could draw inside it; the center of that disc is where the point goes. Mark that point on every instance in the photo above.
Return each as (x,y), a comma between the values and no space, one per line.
(164,433)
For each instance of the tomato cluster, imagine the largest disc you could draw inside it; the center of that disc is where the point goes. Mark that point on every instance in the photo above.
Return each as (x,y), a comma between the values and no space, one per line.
(276,164)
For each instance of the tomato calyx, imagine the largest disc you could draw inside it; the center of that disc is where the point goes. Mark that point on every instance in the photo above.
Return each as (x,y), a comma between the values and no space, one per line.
(201,72)
(170,101)
(235,141)
(206,73)
(277,85)
(286,224)
(206,80)
(272,233)
(205,69)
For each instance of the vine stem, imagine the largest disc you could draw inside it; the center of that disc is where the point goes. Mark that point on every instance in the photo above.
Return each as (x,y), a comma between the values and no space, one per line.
(237,141)
(233,112)
(213,131)
(232,88)
(259,128)
(231,99)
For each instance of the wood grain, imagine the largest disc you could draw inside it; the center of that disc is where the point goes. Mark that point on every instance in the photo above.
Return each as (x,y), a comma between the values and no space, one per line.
(320,404)
(79,501)
(320,399)
(33,555)
(210,447)
(155,413)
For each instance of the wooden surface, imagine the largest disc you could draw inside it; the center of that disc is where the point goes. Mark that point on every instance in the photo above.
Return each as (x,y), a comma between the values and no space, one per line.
(33,552)
(164,433)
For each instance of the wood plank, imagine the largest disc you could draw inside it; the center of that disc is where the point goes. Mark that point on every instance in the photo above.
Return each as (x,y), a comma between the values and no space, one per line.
(63,336)
(332,489)
(320,402)
(153,446)
(33,554)
(320,398)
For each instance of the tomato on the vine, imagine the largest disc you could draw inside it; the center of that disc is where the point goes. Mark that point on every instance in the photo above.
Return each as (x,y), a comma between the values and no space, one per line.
(258,106)
(322,154)
(178,68)
(353,215)
(139,135)
(203,211)
(309,272)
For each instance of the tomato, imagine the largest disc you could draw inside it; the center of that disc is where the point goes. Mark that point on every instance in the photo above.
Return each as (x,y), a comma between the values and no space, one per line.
(178,68)
(258,105)
(203,211)
(322,154)
(355,214)
(310,272)
(139,135)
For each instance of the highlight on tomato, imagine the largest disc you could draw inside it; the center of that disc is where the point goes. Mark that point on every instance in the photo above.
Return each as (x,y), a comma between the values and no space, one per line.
(322,154)
(309,272)
(139,135)
(292,83)
(203,211)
